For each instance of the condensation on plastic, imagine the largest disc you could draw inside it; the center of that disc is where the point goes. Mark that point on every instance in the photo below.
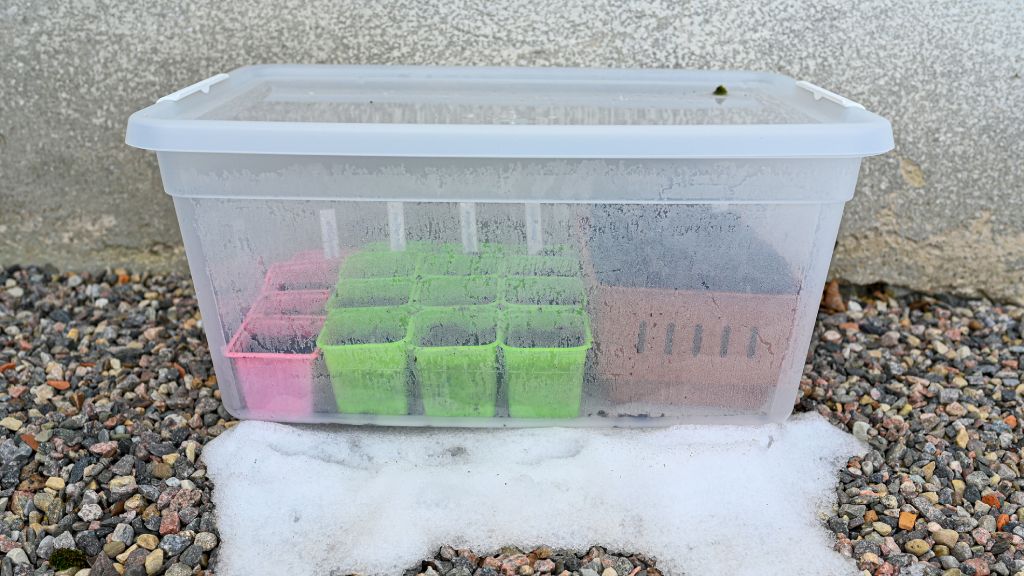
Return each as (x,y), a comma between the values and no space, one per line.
(684,289)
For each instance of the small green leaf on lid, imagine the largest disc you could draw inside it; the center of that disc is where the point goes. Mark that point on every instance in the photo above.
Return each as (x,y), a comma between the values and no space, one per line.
(720,91)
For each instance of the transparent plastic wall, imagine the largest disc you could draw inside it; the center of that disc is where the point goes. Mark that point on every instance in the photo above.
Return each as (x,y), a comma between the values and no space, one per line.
(508,292)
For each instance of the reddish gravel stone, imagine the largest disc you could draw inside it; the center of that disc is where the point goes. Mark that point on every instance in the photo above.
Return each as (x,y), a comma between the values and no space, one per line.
(169,523)
(104,449)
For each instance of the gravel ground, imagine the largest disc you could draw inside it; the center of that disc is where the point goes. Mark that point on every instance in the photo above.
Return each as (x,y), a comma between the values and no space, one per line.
(934,387)
(541,560)
(107,397)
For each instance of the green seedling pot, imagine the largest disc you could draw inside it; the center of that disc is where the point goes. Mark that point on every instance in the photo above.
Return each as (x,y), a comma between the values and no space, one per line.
(379,265)
(457,264)
(545,351)
(542,266)
(455,353)
(457,291)
(366,353)
(371,292)
(545,291)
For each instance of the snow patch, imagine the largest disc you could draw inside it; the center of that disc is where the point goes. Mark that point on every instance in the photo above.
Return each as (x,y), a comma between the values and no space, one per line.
(703,500)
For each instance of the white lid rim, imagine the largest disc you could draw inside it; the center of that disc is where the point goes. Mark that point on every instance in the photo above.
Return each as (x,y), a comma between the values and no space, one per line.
(849,139)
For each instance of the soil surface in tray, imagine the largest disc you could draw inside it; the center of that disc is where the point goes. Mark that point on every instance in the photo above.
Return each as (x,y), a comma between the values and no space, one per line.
(553,338)
(545,299)
(280,344)
(459,299)
(300,309)
(288,285)
(374,300)
(377,336)
(447,335)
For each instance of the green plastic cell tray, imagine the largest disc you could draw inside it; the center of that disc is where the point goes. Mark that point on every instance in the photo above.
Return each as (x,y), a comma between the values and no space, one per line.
(457,291)
(455,352)
(366,353)
(545,352)
(457,264)
(541,265)
(371,292)
(544,291)
(379,265)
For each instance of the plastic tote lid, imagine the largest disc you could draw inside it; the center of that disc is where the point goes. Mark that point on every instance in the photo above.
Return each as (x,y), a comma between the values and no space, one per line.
(508,113)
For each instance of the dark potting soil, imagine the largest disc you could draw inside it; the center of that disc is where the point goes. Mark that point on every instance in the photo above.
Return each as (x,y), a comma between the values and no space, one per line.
(544,299)
(395,270)
(380,268)
(449,335)
(542,268)
(683,247)
(300,309)
(465,267)
(374,300)
(558,337)
(458,299)
(302,285)
(374,336)
(260,344)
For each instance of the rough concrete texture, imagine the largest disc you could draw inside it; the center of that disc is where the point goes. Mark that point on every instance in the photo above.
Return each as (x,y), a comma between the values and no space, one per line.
(942,212)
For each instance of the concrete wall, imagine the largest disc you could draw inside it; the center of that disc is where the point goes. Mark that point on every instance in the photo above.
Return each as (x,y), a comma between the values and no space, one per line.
(942,212)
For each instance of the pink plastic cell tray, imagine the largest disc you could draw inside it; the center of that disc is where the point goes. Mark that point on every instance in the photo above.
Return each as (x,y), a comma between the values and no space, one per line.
(292,303)
(304,272)
(275,359)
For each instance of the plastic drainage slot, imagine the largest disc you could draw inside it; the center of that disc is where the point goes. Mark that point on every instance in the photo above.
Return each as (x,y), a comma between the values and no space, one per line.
(725,344)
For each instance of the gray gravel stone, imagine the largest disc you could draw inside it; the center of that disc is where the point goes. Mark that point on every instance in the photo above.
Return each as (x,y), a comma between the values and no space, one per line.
(206,540)
(64,540)
(173,544)
(178,569)
(90,512)
(18,556)
(45,547)
(191,555)
(123,533)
